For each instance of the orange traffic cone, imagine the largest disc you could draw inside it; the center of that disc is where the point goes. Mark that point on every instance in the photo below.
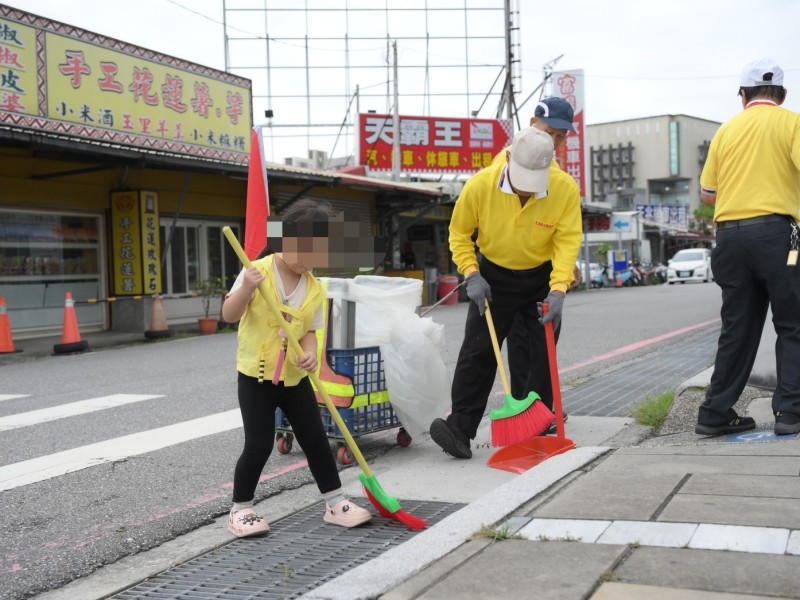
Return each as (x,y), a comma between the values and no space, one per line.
(71,337)
(619,280)
(158,321)
(6,339)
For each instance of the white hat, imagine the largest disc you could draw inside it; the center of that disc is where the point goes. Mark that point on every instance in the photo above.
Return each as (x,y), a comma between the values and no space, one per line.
(762,72)
(529,161)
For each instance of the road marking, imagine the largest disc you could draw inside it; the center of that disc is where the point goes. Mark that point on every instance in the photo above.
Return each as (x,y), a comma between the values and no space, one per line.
(12,396)
(35,417)
(637,346)
(68,461)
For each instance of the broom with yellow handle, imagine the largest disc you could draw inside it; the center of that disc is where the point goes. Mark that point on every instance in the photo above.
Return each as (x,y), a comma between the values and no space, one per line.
(517,420)
(387,505)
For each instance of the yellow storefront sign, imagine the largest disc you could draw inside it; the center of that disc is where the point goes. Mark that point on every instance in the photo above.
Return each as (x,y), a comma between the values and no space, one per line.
(61,79)
(135,243)
(97,87)
(151,256)
(18,89)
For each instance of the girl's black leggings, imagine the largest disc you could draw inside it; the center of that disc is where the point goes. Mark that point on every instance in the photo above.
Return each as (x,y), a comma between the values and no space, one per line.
(258,402)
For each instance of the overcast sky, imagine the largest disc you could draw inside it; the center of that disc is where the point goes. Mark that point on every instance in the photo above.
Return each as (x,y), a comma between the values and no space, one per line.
(640,58)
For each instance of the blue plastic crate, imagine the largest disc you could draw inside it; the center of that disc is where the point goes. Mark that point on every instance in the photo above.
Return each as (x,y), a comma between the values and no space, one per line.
(361,420)
(363,365)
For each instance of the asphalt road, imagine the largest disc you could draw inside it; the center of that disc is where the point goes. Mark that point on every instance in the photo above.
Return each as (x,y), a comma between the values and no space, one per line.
(64,526)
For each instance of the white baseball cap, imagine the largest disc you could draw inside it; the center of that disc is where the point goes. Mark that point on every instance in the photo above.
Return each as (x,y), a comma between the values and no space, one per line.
(529,160)
(762,72)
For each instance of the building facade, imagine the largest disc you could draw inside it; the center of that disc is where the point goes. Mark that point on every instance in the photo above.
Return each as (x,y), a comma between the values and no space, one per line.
(120,166)
(649,168)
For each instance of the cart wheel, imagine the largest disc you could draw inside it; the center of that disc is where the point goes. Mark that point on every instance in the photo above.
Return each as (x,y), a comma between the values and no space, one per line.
(403,439)
(285,444)
(344,455)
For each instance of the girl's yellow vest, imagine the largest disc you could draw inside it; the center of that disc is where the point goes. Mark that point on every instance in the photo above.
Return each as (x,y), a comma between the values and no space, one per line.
(259,340)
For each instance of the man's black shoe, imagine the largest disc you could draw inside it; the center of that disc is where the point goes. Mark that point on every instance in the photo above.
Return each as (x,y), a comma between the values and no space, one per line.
(451,441)
(737,425)
(552,429)
(786,423)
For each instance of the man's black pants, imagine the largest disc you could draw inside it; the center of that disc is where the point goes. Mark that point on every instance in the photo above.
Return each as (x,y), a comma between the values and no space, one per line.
(513,293)
(749,264)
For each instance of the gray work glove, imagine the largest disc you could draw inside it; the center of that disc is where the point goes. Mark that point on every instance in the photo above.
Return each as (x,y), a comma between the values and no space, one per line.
(555,304)
(478,291)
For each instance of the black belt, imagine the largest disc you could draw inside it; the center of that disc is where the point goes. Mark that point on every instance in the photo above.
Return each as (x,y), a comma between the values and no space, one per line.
(513,271)
(752,221)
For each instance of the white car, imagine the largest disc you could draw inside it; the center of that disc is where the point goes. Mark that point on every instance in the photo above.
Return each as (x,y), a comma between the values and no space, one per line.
(693,264)
(594,270)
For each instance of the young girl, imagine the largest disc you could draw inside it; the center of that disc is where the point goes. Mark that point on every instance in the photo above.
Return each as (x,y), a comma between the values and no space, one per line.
(265,384)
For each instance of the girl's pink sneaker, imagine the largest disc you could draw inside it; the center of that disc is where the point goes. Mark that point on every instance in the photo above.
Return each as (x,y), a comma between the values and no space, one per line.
(246,522)
(347,514)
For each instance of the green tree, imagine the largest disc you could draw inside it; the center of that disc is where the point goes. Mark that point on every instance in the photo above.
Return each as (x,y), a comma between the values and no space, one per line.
(704,215)
(602,254)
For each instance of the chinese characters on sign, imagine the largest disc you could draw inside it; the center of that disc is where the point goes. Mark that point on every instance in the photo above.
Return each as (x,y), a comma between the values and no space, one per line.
(571,155)
(18,89)
(432,144)
(673,216)
(126,243)
(151,257)
(96,87)
(64,79)
(135,243)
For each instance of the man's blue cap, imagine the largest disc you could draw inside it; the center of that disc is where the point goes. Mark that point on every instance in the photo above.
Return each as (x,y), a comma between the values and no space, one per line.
(556,112)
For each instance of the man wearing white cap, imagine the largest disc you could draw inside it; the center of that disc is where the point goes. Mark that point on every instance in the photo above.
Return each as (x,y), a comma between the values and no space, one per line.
(528,365)
(752,178)
(529,222)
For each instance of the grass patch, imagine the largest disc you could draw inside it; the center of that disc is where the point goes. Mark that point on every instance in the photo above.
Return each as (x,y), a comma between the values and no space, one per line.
(503,533)
(652,411)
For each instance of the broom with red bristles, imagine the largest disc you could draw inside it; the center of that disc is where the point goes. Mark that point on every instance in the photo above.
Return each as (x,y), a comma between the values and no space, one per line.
(387,505)
(518,420)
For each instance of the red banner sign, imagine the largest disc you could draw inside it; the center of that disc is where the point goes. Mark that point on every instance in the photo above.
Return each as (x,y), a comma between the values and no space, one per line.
(432,144)
(571,156)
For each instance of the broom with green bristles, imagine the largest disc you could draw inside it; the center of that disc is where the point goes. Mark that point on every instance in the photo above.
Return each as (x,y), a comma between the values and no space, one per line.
(518,420)
(387,505)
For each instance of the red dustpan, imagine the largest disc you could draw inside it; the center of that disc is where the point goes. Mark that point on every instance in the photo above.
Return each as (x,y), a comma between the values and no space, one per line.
(518,458)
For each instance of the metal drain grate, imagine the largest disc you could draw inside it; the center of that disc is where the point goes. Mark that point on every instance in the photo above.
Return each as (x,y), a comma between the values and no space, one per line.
(300,553)
(615,394)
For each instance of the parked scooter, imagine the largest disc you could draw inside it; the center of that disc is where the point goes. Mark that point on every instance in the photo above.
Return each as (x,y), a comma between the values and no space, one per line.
(603,278)
(660,272)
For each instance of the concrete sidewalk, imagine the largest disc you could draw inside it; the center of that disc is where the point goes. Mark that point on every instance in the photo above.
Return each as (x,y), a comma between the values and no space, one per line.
(708,518)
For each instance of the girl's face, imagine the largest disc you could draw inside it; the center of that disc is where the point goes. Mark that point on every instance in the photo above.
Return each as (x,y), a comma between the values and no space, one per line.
(302,254)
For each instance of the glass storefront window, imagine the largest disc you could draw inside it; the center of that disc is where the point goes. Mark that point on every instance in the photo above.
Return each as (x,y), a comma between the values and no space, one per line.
(42,257)
(197,250)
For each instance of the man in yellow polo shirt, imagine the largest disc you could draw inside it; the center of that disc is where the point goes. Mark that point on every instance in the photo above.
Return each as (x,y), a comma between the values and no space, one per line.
(528,365)
(529,222)
(752,178)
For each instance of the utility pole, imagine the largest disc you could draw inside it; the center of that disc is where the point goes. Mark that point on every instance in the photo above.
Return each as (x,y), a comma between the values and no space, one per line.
(509,91)
(395,122)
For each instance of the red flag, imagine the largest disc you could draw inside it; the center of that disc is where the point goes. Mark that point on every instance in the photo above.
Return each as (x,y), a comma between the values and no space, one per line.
(255,223)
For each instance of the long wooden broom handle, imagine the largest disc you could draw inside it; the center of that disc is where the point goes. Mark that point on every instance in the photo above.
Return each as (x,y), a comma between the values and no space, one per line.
(265,292)
(498,355)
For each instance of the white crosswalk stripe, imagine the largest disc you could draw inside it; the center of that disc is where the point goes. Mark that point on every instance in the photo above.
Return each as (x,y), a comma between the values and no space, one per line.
(12,396)
(68,461)
(62,411)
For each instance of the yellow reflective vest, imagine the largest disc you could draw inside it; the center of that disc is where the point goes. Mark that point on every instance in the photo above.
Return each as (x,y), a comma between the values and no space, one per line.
(259,341)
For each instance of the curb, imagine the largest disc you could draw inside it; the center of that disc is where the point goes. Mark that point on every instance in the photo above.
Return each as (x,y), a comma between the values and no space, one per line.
(394,567)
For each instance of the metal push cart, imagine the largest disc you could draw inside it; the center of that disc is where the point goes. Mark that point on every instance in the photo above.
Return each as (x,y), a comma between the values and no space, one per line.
(367,410)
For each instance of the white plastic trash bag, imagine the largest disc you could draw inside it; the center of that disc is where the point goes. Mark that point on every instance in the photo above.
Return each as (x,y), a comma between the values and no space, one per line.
(416,376)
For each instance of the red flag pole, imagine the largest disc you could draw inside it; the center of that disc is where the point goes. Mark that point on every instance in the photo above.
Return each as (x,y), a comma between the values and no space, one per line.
(255,224)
